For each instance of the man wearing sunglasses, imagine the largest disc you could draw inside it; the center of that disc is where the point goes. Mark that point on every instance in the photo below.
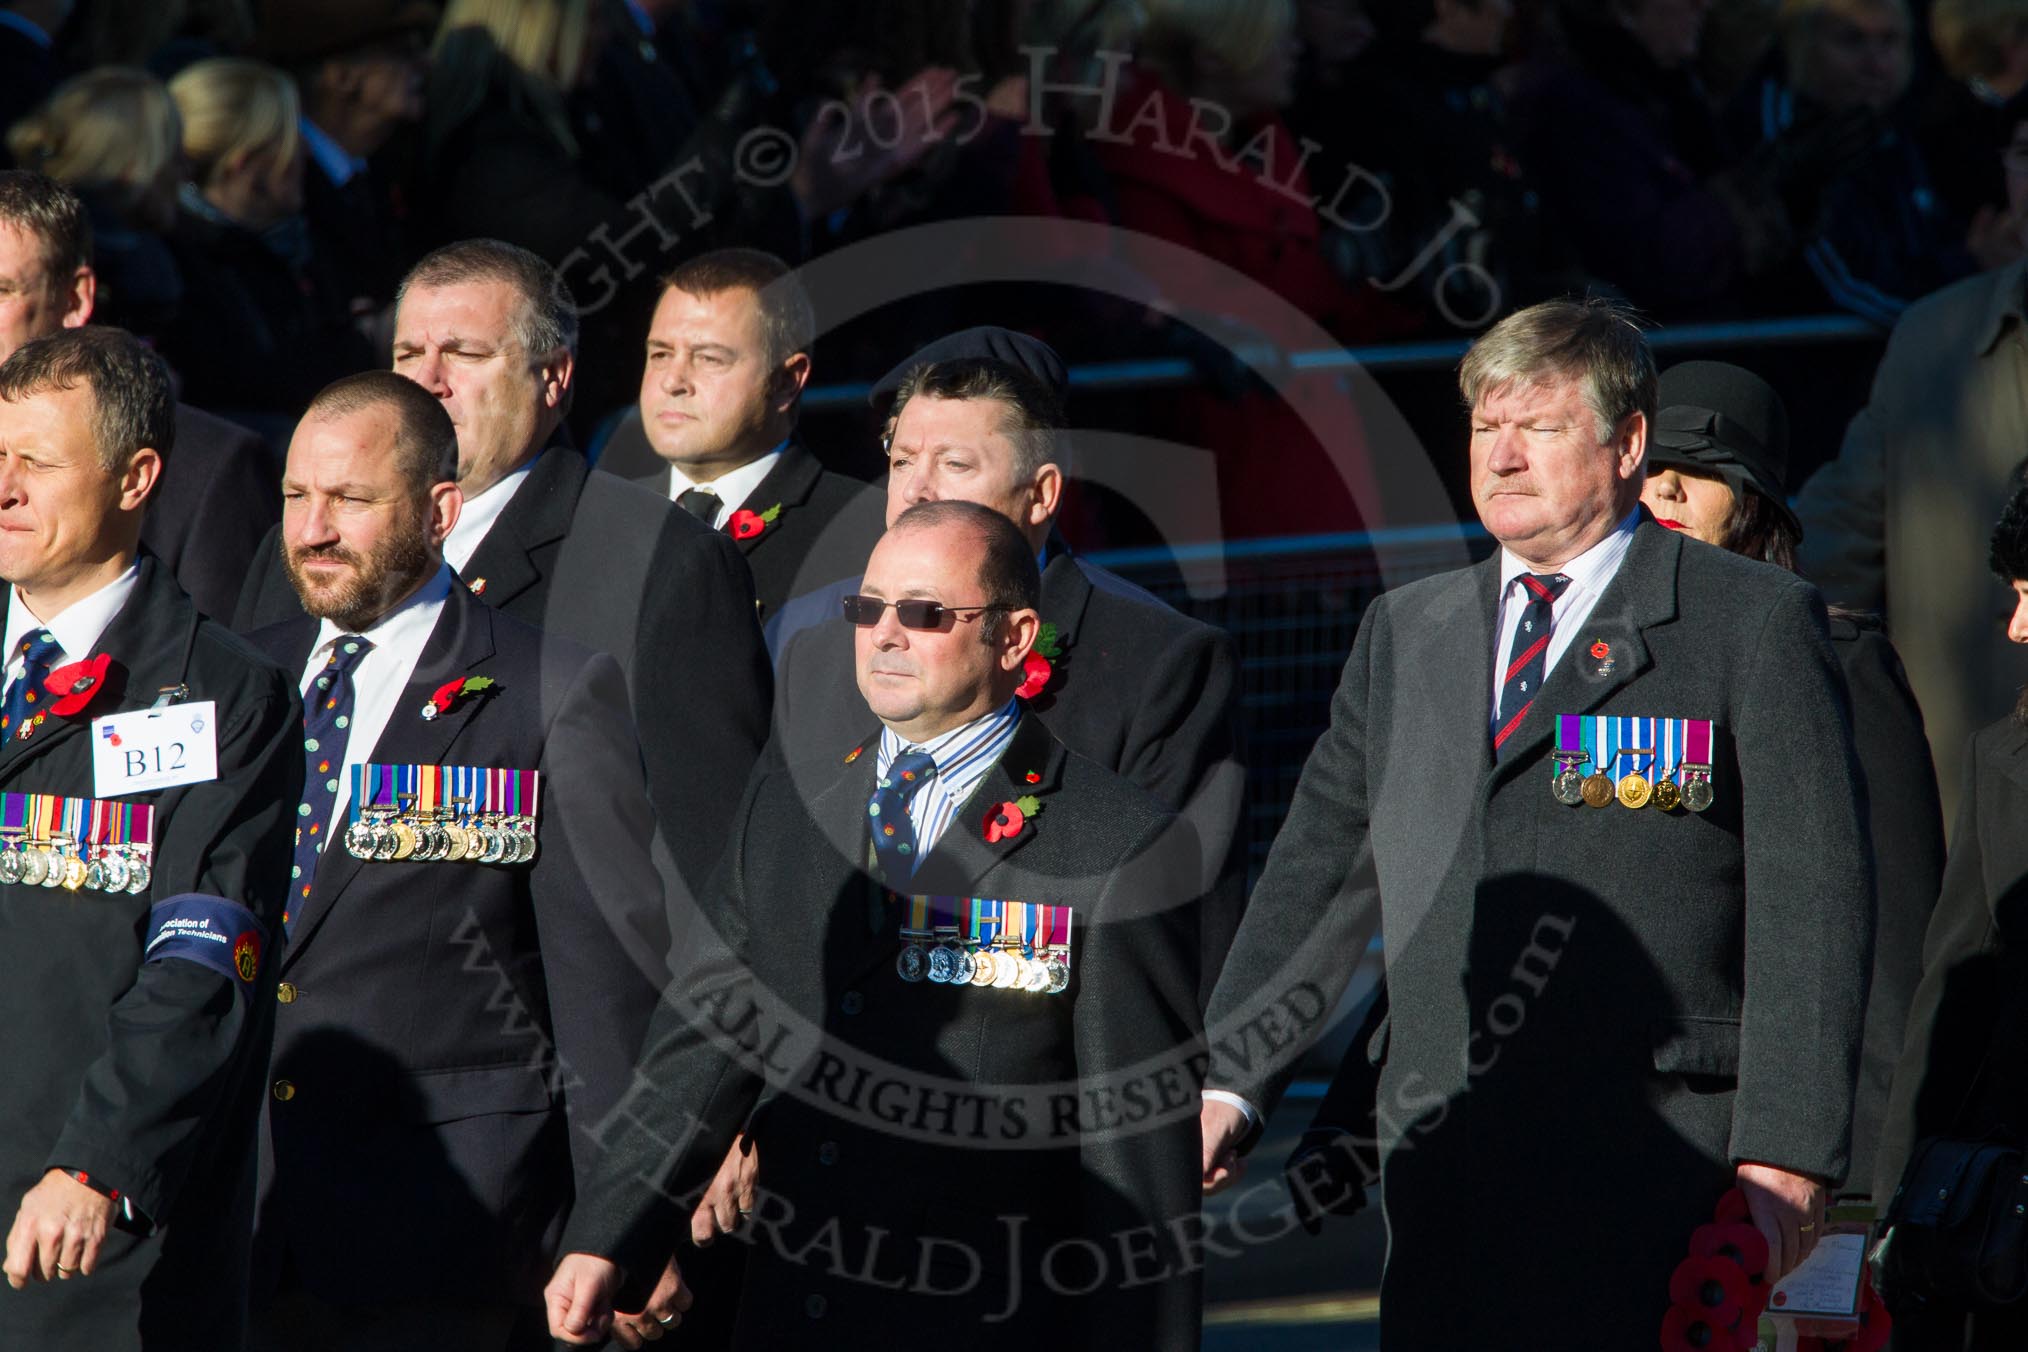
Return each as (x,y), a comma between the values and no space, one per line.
(946,1143)
(1129,682)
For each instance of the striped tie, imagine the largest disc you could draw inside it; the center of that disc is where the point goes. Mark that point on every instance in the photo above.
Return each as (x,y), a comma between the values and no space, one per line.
(1528,659)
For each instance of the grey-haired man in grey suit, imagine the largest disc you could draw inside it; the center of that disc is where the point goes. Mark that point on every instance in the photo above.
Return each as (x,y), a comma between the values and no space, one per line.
(1598,794)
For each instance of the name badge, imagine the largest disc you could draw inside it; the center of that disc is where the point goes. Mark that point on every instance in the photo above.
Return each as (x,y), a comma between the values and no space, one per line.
(154,749)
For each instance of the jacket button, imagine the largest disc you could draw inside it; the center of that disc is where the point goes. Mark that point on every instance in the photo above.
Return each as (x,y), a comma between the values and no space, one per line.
(827,1153)
(853,1002)
(286,993)
(284,1091)
(815,1307)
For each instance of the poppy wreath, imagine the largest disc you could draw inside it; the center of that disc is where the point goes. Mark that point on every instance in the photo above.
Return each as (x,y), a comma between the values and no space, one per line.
(1040,666)
(1717,1293)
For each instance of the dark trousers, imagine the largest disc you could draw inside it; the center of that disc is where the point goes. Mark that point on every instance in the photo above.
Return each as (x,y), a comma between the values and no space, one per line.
(297,1321)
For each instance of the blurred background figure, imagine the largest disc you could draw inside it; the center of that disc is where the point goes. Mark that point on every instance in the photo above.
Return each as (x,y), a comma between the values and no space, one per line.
(359,69)
(1881,236)
(162,35)
(1970,118)
(112,136)
(249,337)
(29,65)
(1630,154)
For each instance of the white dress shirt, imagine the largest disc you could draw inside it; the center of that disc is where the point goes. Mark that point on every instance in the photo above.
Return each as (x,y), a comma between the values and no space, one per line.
(733,487)
(398,639)
(962,756)
(478,515)
(1589,574)
(77,628)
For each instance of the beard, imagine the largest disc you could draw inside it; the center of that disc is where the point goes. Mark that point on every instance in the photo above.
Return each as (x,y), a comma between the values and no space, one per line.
(377,582)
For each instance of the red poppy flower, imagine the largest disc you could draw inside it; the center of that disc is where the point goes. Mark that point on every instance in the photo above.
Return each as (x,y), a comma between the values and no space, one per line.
(1743,1244)
(1875,1324)
(745,525)
(445,695)
(1601,649)
(1004,822)
(1036,672)
(1688,1330)
(1731,1207)
(1714,1286)
(76,683)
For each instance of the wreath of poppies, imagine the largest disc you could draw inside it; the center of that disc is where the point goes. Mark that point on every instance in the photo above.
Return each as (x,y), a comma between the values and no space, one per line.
(1717,1293)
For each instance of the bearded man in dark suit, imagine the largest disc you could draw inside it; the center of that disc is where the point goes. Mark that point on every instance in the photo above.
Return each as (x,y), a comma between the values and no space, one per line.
(454,995)
(1598,793)
(491,331)
(967,1128)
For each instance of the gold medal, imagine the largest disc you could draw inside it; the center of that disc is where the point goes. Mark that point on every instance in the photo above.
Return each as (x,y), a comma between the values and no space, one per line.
(1598,791)
(405,840)
(1635,791)
(1667,796)
(75,872)
(986,968)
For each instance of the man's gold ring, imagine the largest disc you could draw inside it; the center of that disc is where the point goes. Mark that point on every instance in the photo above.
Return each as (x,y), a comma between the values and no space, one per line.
(1807,1227)
(665,1320)
(61,1268)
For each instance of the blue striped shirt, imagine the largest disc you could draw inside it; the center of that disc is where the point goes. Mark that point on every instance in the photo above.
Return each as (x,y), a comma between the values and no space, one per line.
(963,756)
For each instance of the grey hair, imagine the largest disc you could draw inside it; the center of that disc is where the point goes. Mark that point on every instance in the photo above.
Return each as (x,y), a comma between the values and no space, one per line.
(1595,341)
(547,317)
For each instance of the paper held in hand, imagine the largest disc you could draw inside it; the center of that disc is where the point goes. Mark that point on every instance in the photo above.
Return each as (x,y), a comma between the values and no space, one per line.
(1826,1286)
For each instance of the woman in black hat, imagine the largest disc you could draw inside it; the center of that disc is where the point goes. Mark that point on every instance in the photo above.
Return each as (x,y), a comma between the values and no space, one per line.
(1717,460)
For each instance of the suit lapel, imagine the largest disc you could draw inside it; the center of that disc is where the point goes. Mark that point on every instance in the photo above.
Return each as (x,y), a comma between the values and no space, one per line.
(963,855)
(1446,649)
(462,640)
(1610,650)
(504,566)
(149,640)
(788,485)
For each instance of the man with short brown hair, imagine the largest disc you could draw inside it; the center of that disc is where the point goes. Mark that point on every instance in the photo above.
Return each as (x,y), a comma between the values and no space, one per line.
(147,759)
(728,357)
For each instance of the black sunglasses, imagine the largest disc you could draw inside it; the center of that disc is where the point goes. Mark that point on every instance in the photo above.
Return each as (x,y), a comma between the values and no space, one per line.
(864,611)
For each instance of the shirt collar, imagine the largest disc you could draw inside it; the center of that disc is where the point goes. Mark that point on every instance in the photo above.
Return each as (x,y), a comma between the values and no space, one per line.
(409,622)
(733,487)
(27,28)
(339,164)
(964,753)
(479,514)
(80,625)
(1592,566)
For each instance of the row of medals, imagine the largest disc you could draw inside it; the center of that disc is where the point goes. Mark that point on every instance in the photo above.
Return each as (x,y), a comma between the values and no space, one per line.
(951,964)
(492,839)
(57,863)
(1634,791)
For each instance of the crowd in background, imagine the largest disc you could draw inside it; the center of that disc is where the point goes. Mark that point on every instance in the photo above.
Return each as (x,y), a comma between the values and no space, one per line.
(260,173)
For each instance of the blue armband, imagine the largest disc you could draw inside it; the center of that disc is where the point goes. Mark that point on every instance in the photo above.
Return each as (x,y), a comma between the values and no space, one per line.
(219,934)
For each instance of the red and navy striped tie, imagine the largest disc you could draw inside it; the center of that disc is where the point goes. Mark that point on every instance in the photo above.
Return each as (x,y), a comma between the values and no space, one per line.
(1528,659)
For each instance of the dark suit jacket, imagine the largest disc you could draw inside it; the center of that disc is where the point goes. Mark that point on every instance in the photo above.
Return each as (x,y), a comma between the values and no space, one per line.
(589,558)
(826,529)
(146,1075)
(218,495)
(1971,1008)
(1007,1175)
(445,1017)
(1140,688)
(1594,1013)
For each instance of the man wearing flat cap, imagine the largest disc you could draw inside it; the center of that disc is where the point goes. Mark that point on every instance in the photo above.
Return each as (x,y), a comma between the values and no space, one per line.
(360,67)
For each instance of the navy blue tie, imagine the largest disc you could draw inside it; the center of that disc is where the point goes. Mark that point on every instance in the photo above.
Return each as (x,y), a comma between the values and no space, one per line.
(26,691)
(894,843)
(327,726)
(1527,660)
